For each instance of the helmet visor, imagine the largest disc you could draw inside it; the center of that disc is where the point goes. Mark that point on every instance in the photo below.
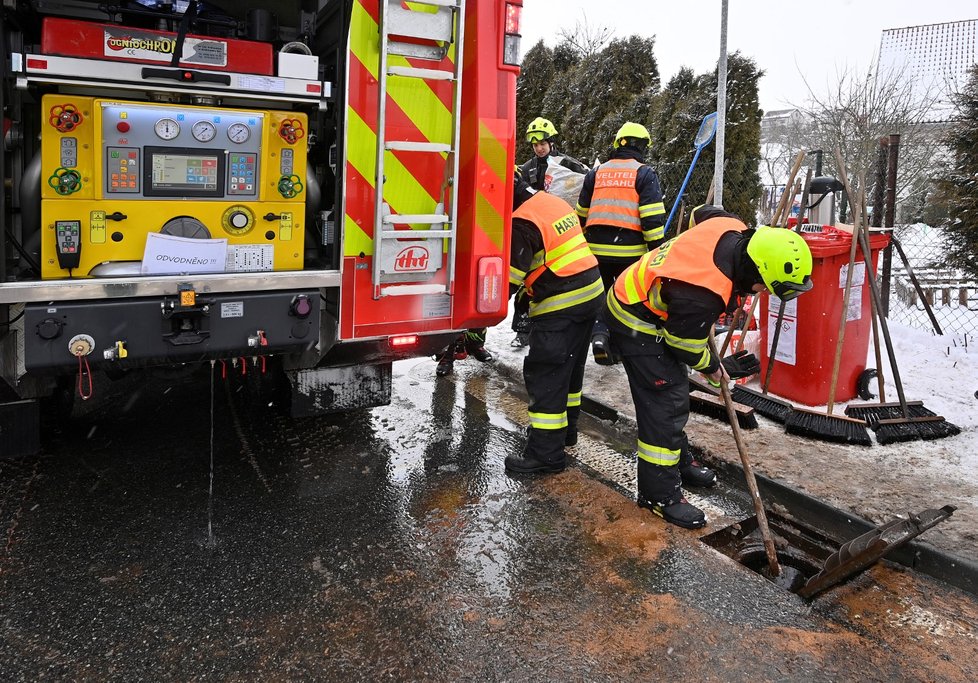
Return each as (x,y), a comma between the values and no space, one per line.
(786,291)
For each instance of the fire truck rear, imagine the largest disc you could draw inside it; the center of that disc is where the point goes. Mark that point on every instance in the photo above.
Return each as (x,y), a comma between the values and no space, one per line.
(309,190)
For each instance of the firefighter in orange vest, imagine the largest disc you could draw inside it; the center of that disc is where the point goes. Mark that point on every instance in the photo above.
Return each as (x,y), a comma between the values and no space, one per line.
(660,312)
(550,259)
(623,215)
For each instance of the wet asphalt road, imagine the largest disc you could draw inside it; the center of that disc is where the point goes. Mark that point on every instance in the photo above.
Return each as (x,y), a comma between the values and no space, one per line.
(390,545)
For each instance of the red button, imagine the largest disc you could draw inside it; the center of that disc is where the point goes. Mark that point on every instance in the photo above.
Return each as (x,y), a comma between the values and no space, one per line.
(122,127)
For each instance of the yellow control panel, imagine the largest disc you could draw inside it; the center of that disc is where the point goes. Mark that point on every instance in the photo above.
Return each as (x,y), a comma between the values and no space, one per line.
(114,172)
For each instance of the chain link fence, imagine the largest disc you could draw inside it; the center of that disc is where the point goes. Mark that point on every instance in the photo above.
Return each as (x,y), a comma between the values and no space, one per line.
(951,294)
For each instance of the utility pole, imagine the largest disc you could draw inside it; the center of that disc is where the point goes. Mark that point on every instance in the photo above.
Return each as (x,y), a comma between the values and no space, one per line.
(721,108)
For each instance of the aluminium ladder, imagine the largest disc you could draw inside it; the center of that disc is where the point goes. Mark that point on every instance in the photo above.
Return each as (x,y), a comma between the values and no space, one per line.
(439,25)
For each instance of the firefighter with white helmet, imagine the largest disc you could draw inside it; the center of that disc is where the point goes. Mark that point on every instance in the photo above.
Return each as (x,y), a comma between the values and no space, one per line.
(660,312)
(623,215)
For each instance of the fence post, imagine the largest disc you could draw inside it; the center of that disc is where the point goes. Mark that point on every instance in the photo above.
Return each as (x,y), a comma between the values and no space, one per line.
(891,175)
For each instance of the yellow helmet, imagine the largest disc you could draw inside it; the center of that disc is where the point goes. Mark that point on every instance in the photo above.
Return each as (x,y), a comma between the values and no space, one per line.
(632,130)
(783,259)
(540,129)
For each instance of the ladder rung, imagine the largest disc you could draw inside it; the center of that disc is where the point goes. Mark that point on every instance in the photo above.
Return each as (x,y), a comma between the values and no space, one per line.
(429,74)
(405,218)
(405,290)
(405,146)
(415,234)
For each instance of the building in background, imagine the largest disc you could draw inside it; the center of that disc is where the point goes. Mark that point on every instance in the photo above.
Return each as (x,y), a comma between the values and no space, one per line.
(936,57)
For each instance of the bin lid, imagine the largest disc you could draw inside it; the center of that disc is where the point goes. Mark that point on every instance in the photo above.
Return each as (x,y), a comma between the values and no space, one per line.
(833,242)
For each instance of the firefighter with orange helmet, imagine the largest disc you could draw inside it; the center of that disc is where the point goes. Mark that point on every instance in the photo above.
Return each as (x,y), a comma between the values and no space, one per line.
(542,136)
(551,261)
(660,312)
(623,214)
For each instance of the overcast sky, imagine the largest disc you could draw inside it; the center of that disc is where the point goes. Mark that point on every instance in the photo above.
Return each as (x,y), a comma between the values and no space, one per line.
(818,39)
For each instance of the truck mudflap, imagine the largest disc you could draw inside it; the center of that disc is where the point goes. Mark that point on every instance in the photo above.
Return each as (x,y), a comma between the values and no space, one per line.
(186,327)
(317,391)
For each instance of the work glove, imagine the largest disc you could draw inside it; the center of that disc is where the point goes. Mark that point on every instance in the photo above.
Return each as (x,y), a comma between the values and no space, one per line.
(741,364)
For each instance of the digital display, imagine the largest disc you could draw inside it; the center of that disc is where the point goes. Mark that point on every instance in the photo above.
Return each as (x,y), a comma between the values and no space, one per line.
(174,172)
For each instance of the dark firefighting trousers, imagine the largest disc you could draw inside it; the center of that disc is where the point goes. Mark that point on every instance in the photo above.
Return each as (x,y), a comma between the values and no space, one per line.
(554,374)
(660,390)
(610,268)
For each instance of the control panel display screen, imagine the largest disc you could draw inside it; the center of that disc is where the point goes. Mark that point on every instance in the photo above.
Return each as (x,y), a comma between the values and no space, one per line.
(180,172)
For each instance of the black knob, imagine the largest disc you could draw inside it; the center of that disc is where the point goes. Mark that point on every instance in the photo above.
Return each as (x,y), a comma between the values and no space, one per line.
(49,328)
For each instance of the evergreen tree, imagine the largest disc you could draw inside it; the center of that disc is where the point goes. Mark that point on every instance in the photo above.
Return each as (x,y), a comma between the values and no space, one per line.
(957,193)
(536,74)
(742,154)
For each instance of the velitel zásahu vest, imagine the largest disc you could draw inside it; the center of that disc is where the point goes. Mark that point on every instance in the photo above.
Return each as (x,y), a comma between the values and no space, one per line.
(615,200)
(565,251)
(687,258)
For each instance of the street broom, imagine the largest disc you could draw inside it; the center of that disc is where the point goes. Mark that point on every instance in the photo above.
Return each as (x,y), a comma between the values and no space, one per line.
(905,421)
(826,426)
(768,406)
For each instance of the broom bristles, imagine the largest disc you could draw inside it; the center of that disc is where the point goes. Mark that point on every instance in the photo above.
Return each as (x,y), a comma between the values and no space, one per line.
(718,411)
(771,408)
(834,428)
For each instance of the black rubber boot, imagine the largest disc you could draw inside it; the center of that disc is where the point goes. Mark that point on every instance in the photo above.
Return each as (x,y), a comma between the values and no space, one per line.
(445,364)
(677,511)
(524,464)
(694,474)
(481,355)
(570,439)
(601,349)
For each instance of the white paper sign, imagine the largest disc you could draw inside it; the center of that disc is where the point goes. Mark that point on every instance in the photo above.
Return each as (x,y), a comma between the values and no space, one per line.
(169,255)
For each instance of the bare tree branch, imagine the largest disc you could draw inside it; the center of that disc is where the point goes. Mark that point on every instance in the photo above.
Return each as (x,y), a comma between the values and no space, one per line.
(585,38)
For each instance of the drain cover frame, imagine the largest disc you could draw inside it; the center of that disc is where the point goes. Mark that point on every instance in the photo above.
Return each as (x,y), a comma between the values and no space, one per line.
(862,552)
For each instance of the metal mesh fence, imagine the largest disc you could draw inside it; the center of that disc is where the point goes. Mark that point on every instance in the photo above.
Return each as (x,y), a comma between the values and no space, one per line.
(952,295)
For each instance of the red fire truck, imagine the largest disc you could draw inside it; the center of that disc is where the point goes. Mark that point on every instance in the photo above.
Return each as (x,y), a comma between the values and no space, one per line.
(313,189)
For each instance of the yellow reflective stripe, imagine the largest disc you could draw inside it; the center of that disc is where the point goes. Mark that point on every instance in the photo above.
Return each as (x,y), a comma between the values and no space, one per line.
(633,282)
(597,216)
(581,211)
(548,420)
(539,259)
(646,210)
(694,346)
(621,250)
(414,96)
(516,276)
(354,238)
(654,234)
(492,151)
(574,399)
(580,253)
(629,320)
(626,204)
(558,302)
(573,243)
(655,297)
(667,457)
(402,195)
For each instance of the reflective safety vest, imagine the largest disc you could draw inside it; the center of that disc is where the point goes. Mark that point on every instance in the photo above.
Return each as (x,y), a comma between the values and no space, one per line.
(687,258)
(615,200)
(565,251)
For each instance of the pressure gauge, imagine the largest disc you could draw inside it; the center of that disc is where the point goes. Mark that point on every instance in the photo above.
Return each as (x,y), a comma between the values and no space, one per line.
(167,129)
(203,131)
(238,132)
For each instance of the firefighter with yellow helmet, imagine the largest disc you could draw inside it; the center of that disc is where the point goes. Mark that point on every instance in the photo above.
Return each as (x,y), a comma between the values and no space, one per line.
(623,214)
(550,261)
(660,312)
(542,136)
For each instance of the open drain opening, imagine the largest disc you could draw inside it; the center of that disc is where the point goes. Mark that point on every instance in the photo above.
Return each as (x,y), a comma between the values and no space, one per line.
(810,561)
(801,550)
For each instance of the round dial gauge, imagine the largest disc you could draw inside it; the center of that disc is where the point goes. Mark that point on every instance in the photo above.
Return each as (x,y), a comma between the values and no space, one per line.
(204,131)
(167,129)
(238,132)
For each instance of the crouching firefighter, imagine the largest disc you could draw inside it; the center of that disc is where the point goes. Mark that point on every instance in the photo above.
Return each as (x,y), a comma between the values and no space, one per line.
(550,259)
(660,312)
